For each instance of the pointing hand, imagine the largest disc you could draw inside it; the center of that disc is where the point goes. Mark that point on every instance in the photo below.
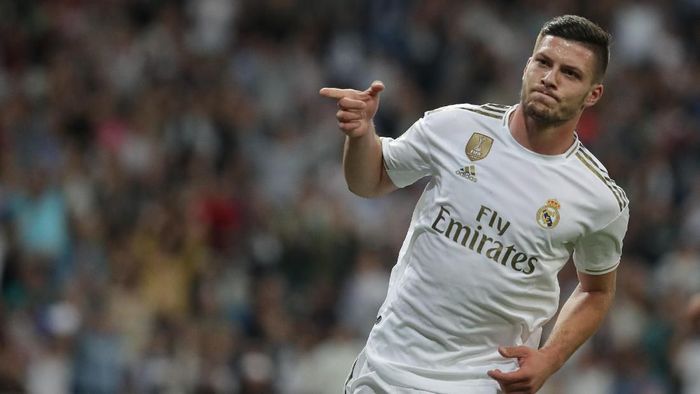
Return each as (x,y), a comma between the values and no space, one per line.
(356,109)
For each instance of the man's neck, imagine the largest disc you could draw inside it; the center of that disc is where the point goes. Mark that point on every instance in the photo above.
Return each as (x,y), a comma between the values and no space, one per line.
(541,138)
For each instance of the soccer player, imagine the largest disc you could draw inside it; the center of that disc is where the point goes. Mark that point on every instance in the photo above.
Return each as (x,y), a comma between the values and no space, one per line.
(512,193)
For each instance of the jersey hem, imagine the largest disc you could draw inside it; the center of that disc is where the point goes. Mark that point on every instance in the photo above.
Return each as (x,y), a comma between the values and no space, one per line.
(398,377)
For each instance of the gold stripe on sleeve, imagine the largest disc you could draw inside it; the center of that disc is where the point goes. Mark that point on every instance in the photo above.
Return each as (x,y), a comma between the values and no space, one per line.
(505,107)
(596,173)
(600,270)
(491,115)
(604,173)
(575,149)
(490,108)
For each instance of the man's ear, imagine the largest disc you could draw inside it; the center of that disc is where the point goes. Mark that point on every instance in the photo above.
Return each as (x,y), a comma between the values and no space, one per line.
(594,95)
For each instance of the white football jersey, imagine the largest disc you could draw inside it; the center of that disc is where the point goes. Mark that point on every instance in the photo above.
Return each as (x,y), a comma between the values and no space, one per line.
(493,227)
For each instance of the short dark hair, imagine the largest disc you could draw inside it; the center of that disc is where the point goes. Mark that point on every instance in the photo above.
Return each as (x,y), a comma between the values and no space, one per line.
(578,28)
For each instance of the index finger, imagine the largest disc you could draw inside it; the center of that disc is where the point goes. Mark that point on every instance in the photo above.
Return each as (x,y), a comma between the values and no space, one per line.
(336,93)
(506,377)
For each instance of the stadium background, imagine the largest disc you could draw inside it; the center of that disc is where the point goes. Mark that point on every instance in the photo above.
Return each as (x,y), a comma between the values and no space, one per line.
(172,208)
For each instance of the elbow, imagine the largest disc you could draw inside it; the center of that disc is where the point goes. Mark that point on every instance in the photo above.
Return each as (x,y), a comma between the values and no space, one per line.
(369,188)
(366,192)
(603,297)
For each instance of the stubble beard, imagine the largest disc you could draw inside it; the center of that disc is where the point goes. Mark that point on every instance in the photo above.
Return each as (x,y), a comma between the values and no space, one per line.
(545,115)
(540,113)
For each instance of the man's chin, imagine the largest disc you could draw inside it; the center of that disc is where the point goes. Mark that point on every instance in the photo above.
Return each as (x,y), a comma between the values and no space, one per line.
(539,112)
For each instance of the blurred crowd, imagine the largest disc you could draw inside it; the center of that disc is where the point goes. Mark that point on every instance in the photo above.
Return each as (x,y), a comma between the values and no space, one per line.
(173,216)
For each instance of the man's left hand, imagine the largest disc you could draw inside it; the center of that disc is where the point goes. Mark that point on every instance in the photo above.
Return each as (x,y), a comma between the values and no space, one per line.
(535,367)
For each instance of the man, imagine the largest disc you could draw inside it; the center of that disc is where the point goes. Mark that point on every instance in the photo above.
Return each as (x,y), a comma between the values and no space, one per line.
(512,194)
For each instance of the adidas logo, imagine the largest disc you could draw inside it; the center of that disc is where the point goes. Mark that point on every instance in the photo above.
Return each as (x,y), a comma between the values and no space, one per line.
(468,172)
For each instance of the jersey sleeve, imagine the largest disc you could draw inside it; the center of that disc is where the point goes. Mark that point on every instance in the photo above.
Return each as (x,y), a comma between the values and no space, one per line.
(407,158)
(599,252)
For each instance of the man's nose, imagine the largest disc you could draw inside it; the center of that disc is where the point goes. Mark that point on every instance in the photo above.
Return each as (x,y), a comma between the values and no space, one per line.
(549,79)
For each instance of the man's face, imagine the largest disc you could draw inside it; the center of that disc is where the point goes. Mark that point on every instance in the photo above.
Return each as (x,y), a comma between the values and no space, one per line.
(559,80)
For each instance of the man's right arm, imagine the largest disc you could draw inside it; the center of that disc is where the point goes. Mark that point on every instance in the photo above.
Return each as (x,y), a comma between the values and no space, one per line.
(364,166)
(362,157)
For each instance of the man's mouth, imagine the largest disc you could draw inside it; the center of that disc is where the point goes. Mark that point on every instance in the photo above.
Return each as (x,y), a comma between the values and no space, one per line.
(546,93)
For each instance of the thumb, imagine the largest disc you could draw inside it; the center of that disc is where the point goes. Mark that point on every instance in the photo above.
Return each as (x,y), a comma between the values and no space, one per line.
(513,351)
(495,373)
(375,88)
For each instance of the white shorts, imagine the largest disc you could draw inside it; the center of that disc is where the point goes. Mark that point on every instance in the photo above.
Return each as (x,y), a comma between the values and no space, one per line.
(364,380)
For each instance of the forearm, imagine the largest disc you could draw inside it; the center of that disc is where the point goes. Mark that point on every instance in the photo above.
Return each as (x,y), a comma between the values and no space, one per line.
(578,320)
(363,166)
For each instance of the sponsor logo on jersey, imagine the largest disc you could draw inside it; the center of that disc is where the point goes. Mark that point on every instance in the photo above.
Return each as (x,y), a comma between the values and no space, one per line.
(468,172)
(484,236)
(478,146)
(548,215)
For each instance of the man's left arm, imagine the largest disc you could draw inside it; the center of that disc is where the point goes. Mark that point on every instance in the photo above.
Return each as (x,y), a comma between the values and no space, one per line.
(578,319)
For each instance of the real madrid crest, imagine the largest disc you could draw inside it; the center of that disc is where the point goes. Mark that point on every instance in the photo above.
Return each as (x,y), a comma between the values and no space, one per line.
(548,215)
(478,146)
